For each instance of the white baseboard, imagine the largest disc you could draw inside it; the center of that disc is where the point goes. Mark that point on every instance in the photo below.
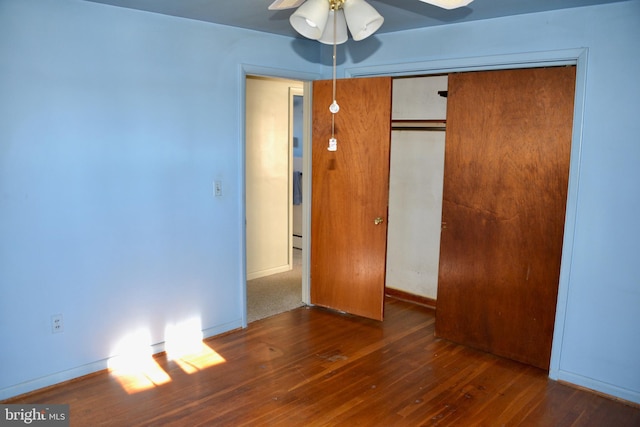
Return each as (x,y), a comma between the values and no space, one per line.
(99,365)
(268,272)
(599,386)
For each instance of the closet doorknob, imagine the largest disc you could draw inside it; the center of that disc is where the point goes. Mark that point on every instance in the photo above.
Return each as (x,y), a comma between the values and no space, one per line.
(378,220)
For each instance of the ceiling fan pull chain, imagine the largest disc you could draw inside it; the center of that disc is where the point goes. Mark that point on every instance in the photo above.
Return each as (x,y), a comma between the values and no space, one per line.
(334,107)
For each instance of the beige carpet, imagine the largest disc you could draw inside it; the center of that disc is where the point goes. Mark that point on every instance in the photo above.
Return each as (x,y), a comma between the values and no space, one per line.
(277,293)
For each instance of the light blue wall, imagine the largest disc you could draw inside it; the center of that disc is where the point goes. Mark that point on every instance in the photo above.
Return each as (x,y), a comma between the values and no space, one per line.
(114,123)
(597,341)
(113,126)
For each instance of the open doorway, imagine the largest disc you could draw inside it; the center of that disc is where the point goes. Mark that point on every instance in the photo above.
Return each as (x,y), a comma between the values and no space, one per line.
(274,195)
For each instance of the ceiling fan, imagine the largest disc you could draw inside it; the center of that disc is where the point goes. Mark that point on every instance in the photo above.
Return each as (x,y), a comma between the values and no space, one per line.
(327,20)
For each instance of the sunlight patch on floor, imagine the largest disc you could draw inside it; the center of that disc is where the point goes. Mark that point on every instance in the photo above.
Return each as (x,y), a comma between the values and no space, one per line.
(135,368)
(185,347)
(194,362)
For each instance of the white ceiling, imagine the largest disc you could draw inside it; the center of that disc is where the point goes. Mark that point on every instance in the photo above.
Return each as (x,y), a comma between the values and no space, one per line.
(399,14)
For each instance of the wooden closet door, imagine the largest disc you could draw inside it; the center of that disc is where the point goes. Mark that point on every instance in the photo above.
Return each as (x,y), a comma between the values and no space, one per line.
(350,189)
(507,154)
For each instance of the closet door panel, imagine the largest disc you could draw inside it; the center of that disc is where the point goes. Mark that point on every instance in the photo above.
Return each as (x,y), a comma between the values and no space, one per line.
(505,185)
(349,196)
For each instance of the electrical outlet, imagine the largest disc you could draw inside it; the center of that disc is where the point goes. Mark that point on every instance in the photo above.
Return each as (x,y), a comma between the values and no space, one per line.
(57,325)
(217,188)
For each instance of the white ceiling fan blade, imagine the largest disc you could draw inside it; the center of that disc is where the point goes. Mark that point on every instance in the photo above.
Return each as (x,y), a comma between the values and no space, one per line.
(448,4)
(285,4)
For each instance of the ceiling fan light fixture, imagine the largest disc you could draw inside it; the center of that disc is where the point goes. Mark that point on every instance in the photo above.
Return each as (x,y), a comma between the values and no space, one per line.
(362,19)
(341,34)
(310,18)
(448,4)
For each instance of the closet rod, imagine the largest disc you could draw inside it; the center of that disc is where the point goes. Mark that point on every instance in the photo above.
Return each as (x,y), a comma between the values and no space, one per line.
(408,124)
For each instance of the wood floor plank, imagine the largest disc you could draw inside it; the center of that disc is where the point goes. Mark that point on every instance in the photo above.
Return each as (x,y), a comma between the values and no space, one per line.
(314,367)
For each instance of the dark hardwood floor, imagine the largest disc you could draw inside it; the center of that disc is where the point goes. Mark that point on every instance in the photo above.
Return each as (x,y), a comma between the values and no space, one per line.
(312,367)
